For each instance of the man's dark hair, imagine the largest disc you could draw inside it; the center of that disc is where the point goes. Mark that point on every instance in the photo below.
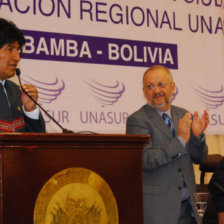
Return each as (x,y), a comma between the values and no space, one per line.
(9,33)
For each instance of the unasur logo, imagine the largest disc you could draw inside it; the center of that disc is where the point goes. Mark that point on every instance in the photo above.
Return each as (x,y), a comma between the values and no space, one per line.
(212,100)
(106,95)
(47,91)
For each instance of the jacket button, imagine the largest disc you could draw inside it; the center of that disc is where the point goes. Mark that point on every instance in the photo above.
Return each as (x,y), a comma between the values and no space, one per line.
(179,188)
(179,169)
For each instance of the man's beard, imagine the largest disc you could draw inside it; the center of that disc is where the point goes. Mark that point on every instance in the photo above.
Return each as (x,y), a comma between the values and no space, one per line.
(159,106)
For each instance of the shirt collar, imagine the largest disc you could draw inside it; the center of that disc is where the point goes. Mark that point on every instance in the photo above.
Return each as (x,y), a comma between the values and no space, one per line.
(2,82)
(167,112)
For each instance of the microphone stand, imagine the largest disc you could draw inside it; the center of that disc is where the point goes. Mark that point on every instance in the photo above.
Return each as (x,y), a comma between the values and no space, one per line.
(63,129)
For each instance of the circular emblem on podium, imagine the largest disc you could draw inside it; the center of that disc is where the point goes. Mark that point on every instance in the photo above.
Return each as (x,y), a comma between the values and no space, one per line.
(76,196)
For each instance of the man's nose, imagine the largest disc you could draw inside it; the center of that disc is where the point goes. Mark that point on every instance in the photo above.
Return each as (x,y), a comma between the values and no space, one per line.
(156,88)
(16,55)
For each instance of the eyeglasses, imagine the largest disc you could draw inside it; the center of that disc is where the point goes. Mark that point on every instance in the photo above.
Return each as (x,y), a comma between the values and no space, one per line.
(160,85)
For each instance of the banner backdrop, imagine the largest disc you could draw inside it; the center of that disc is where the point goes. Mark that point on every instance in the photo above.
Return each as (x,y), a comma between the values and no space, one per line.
(87,57)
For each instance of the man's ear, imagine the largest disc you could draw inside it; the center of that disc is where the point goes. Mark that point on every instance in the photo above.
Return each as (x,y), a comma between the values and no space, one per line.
(173,87)
(144,91)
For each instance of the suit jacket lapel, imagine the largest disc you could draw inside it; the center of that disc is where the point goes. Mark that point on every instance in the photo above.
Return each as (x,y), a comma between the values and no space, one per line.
(157,120)
(176,116)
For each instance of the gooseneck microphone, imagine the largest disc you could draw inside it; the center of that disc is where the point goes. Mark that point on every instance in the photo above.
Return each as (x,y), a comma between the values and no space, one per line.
(63,129)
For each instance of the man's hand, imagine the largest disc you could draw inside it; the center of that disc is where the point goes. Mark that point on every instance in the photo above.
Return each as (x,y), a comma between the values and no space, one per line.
(199,124)
(184,127)
(27,102)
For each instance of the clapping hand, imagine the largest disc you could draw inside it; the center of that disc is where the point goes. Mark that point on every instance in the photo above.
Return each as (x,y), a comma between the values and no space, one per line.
(199,124)
(184,127)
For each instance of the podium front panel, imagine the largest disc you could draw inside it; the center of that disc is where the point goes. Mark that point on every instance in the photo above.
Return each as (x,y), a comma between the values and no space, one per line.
(28,161)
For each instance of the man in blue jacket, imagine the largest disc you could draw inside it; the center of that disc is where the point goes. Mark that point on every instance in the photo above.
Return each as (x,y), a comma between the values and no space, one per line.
(18,113)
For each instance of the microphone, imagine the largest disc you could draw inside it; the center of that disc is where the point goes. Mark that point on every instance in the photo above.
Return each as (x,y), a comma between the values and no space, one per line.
(18,73)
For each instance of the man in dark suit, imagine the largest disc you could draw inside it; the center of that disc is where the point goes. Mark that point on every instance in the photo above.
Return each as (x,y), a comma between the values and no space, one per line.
(216,188)
(18,113)
(177,141)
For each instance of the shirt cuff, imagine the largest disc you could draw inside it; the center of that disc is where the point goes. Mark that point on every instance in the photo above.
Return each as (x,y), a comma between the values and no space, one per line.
(35,114)
(202,138)
(181,141)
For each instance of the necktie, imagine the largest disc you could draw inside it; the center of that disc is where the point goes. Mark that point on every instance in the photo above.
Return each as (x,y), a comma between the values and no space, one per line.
(167,120)
(5,95)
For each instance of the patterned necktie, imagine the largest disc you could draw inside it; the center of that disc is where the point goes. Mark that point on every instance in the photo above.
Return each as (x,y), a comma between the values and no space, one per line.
(167,120)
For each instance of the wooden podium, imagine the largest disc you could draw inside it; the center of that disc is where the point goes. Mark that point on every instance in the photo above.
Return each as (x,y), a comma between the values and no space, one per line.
(28,161)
